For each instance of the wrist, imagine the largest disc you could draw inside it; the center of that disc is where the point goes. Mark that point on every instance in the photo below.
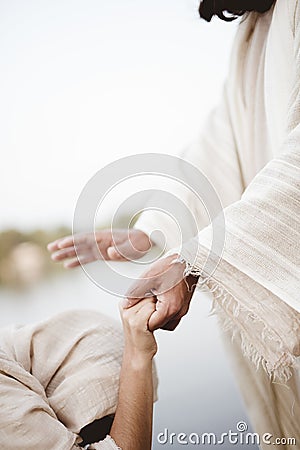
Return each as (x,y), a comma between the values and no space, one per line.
(137,360)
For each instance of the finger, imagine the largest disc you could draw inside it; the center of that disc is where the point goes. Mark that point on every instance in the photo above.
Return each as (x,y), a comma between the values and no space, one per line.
(64,242)
(74,240)
(53,246)
(70,264)
(114,255)
(169,307)
(144,315)
(124,251)
(174,321)
(72,252)
(162,315)
(157,320)
(63,254)
(68,241)
(138,306)
(139,290)
(129,247)
(83,259)
(144,304)
(138,316)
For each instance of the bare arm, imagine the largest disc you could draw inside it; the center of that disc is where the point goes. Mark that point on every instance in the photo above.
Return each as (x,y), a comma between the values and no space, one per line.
(132,426)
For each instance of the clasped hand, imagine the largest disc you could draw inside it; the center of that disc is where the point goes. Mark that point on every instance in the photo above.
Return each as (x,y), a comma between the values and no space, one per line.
(172,291)
(164,281)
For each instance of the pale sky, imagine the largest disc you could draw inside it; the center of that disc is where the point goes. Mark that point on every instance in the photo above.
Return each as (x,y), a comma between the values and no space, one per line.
(83,82)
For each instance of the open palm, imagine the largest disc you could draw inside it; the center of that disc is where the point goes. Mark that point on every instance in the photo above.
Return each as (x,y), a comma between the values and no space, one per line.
(119,245)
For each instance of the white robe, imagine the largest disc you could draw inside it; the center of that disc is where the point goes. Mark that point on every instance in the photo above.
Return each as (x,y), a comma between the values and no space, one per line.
(249,150)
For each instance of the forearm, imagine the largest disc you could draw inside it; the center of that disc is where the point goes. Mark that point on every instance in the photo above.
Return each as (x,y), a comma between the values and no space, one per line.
(132,426)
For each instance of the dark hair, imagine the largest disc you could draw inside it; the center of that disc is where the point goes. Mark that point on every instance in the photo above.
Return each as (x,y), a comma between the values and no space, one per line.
(235,8)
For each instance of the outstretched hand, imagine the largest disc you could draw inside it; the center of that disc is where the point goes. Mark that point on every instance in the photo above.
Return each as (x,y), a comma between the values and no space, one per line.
(119,245)
(165,281)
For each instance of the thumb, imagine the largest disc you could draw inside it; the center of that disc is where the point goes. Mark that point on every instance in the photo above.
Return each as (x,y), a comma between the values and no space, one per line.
(121,252)
(125,251)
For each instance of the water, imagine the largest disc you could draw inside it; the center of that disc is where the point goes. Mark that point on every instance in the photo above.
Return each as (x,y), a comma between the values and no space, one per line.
(197,392)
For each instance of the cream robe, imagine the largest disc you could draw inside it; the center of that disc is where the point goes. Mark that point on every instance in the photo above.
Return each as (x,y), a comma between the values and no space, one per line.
(56,377)
(250,152)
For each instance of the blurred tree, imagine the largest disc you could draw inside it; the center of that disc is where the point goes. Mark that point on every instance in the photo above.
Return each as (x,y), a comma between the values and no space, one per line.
(24,258)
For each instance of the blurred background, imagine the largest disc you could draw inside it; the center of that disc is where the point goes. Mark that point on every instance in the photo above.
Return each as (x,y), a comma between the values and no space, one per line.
(83,83)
